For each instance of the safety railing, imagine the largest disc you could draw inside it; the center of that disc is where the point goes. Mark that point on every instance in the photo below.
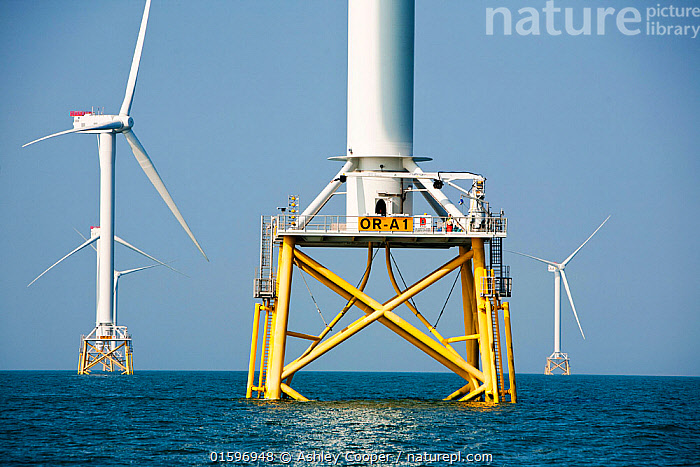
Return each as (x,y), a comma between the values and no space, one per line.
(393,225)
(501,286)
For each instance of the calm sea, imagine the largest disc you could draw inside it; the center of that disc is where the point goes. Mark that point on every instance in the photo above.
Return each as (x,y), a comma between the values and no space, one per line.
(190,418)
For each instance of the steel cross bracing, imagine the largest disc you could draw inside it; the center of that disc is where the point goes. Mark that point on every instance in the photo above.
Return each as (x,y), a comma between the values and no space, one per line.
(481,367)
(113,353)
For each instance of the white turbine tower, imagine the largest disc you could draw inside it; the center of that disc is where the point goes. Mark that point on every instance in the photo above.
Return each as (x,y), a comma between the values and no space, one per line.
(95,346)
(560,360)
(106,127)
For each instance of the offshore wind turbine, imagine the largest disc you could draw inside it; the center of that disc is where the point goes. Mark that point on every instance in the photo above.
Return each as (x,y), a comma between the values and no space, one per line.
(106,127)
(560,360)
(93,345)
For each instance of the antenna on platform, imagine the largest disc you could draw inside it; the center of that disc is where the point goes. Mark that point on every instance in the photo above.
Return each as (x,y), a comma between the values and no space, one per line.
(106,127)
(560,360)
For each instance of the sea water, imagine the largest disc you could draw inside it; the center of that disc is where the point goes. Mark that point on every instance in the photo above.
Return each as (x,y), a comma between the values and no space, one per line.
(203,418)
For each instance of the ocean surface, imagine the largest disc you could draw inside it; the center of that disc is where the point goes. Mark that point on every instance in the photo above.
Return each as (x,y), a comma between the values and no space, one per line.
(203,418)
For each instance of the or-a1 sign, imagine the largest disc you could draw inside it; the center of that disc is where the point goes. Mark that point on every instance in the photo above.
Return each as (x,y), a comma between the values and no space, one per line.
(391,224)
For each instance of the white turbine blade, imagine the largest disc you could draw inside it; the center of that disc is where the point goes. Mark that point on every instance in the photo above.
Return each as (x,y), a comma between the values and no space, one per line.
(132,247)
(133,74)
(577,249)
(129,271)
(152,174)
(108,126)
(86,243)
(84,238)
(534,257)
(571,300)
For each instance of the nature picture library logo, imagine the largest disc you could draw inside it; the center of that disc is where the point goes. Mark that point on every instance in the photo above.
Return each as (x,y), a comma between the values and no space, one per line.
(573,18)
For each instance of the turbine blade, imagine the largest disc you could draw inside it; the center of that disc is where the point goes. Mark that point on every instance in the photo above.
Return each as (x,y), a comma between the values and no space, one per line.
(152,174)
(83,245)
(129,271)
(108,126)
(133,74)
(132,247)
(533,257)
(577,249)
(571,300)
(84,238)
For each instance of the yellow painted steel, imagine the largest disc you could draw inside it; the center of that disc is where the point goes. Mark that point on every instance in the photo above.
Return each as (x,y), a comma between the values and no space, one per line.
(455,363)
(264,356)
(479,367)
(110,359)
(401,332)
(292,393)
(128,355)
(475,393)
(332,342)
(511,360)
(483,316)
(497,339)
(347,306)
(456,360)
(415,311)
(459,392)
(469,310)
(276,363)
(301,335)
(463,338)
(494,374)
(104,358)
(253,352)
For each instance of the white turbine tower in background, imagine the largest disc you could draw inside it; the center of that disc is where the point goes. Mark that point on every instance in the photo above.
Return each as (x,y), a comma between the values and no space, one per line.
(106,127)
(118,333)
(560,360)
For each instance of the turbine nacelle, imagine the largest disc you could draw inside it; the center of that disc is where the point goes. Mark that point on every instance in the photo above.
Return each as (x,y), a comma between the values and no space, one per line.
(118,123)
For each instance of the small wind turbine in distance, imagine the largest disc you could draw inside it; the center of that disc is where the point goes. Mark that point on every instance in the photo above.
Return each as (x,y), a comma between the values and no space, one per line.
(106,127)
(559,361)
(106,350)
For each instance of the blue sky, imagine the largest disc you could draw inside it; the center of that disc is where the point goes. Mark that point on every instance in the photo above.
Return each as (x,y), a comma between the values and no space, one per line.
(240,102)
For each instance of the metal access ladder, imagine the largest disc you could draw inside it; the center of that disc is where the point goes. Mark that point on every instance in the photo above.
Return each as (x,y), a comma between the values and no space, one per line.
(503,281)
(264,282)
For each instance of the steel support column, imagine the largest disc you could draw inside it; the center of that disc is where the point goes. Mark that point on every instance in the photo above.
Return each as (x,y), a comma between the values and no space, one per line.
(253,352)
(483,319)
(511,359)
(470,327)
(284,276)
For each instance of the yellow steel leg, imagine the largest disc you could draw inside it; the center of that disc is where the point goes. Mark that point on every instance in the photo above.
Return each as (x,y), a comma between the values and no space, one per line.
(476,392)
(274,374)
(511,360)
(253,352)
(483,318)
(470,327)
(292,393)
(83,357)
(263,357)
(492,344)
